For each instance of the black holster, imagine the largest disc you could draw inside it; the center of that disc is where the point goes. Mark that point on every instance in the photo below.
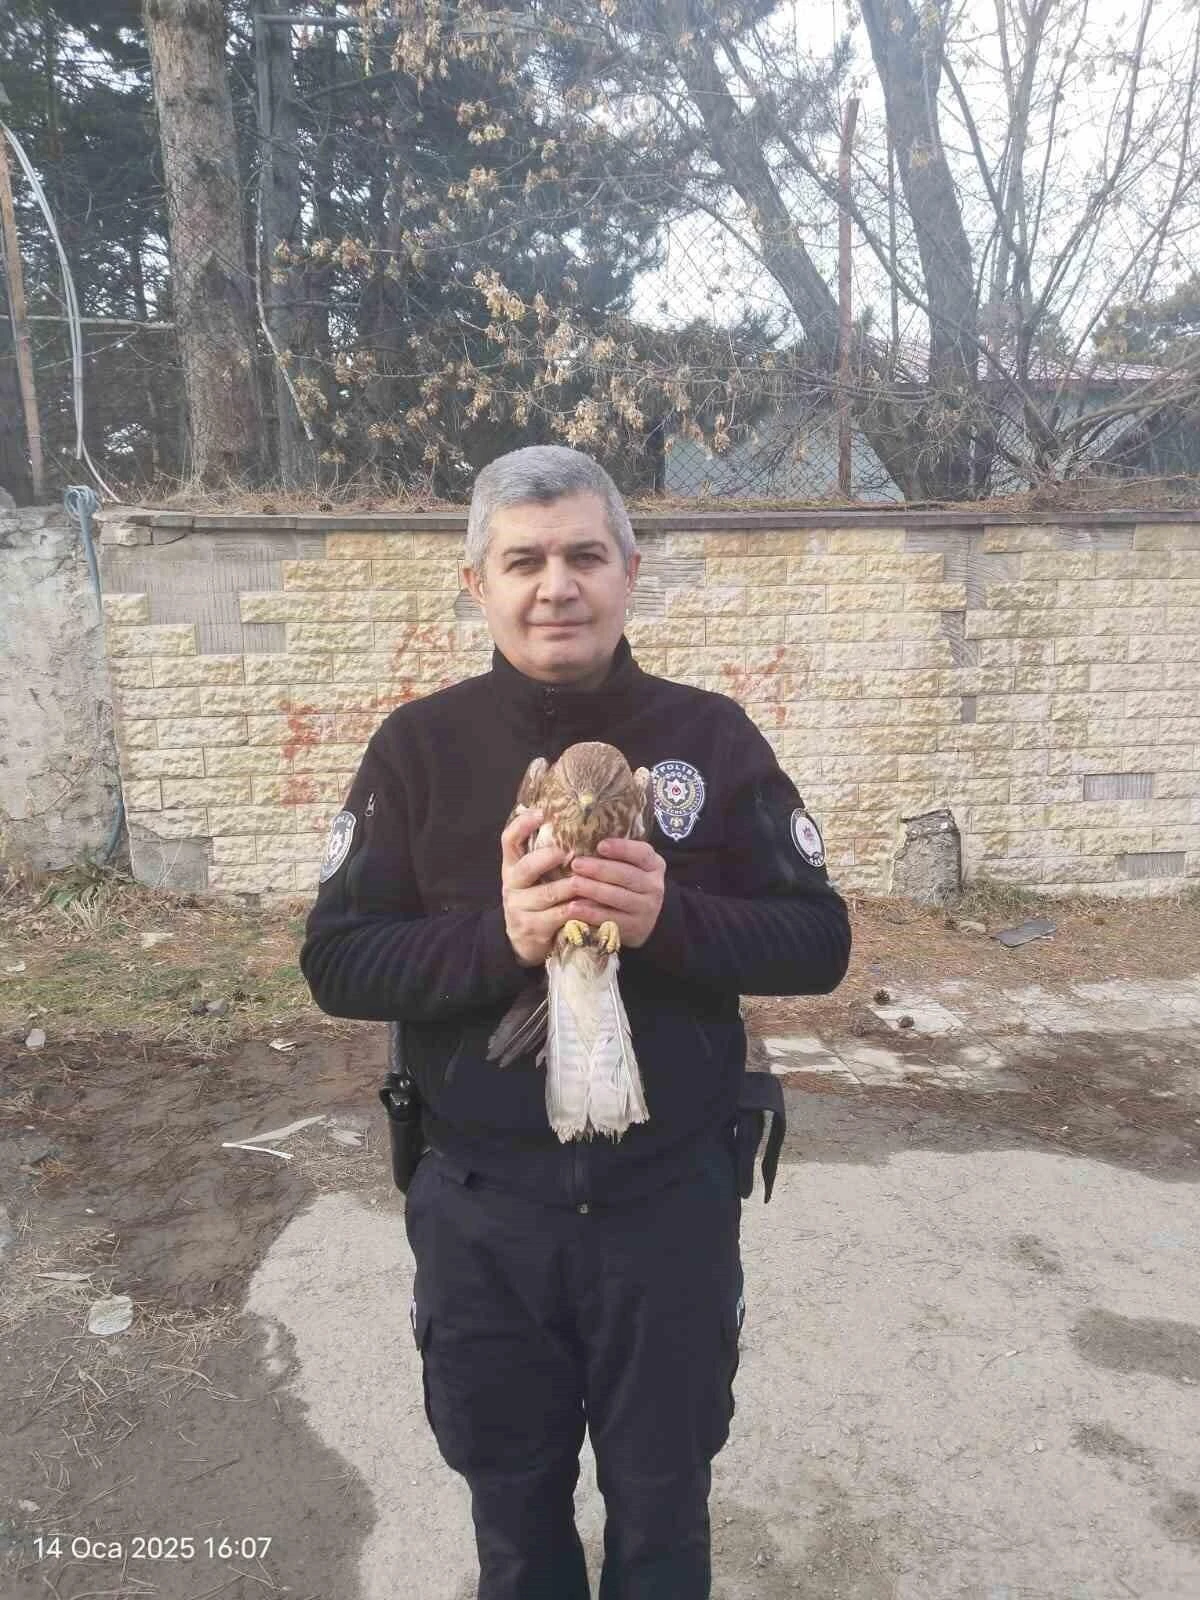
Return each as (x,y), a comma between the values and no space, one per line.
(402,1102)
(760,1092)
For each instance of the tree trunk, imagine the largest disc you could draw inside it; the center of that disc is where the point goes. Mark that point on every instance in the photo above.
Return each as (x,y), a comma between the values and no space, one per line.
(279,222)
(212,289)
(907,47)
(739,153)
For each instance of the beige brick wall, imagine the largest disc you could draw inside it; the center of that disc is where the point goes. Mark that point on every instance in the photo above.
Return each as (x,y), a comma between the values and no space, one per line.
(991,667)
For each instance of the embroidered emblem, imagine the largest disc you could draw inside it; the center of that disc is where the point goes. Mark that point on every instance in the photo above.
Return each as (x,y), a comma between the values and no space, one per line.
(678,797)
(806,836)
(337,846)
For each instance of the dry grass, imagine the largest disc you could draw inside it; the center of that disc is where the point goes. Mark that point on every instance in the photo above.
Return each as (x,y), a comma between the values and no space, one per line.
(96,1390)
(987,900)
(160,1352)
(996,904)
(89,952)
(86,971)
(365,494)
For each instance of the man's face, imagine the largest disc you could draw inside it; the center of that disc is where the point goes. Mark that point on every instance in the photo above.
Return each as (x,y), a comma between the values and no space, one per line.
(555,589)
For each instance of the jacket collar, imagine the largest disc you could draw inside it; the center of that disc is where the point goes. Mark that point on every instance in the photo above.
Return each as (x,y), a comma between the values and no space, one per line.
(557,714)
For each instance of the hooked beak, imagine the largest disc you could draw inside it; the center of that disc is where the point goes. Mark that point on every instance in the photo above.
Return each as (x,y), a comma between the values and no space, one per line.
(587,804)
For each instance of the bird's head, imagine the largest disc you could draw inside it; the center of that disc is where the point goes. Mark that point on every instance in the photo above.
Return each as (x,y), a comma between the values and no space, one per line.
(593,775)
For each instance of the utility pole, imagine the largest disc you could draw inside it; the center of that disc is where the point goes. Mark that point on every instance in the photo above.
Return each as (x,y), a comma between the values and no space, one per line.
(20,319)
(845,323)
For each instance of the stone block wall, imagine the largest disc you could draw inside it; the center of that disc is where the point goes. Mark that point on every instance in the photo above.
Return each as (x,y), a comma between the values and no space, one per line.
(1041,679)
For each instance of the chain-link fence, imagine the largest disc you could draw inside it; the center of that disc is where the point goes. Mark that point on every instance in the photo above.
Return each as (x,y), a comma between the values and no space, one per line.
(353,432)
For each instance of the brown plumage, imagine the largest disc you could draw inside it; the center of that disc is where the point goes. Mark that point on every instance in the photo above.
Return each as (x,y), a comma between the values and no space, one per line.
(592,1080)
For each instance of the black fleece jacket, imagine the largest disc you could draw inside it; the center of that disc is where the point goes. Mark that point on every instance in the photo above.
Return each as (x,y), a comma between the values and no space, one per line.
(408,925)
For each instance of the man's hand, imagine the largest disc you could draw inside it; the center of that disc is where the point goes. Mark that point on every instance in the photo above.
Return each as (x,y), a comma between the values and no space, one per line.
(625,885)
(533,911)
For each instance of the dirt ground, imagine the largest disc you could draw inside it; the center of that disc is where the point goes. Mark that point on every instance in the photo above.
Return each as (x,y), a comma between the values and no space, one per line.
(900,944)
(112,1167)
(113,1179)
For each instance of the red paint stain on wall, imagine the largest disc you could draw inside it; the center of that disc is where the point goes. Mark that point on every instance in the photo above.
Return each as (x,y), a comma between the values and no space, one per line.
(403,689)
(740,679)
(302,728)
(308,725)
(296,790)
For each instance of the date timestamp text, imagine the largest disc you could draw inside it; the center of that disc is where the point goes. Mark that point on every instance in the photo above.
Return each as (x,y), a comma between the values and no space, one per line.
(152,1547)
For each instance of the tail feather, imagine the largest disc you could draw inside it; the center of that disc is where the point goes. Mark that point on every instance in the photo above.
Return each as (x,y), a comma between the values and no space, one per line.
(616,1098)
(593,1084)
(566,1058)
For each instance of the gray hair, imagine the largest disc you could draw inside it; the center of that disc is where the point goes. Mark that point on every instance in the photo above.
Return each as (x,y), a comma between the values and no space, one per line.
(542,473)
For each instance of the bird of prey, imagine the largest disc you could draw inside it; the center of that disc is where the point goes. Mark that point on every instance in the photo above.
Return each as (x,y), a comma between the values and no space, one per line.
(592,1080)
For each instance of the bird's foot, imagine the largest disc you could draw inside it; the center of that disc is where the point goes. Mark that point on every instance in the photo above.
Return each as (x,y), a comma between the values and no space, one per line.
(608,937)
(575,932)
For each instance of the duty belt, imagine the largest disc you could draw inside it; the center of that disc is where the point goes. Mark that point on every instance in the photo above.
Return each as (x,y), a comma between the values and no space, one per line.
(760,1092)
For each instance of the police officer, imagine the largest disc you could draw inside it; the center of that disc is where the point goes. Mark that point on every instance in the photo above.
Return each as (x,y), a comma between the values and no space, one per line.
(583,1285)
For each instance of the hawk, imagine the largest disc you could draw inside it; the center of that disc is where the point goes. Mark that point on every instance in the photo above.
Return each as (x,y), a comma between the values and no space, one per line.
(592,1080)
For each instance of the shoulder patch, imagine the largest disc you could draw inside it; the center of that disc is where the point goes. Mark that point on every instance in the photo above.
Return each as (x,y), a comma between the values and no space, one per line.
(679,793)
(337,846)
(806,836)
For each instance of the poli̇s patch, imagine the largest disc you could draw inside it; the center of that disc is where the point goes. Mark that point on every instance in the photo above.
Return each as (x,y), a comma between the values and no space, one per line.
(806,836)
(678,797)
(337,846)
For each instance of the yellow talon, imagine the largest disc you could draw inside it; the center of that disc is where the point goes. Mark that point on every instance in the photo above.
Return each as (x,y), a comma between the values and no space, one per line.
(608,937)
(575,932)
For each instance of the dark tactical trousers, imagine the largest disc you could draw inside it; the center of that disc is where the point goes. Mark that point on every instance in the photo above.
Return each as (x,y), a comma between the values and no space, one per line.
(537,1321)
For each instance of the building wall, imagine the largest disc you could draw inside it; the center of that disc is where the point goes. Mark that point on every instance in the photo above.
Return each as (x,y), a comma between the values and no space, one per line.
(1041,679)
(58,762)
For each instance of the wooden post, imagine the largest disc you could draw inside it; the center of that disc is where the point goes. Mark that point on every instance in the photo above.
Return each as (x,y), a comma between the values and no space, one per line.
(20,325)
(844,319)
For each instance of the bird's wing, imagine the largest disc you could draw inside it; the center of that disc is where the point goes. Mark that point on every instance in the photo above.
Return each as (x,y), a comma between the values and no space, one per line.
(530,788)
(643,819)
(522,1028)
